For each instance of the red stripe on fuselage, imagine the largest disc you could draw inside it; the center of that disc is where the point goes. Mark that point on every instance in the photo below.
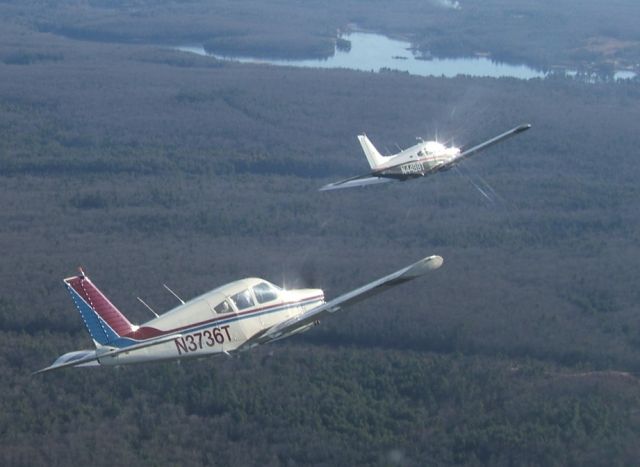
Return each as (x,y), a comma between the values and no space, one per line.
(147,332)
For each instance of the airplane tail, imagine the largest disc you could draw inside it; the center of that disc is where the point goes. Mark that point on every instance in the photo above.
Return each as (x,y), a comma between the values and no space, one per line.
(103,320)
(373,156)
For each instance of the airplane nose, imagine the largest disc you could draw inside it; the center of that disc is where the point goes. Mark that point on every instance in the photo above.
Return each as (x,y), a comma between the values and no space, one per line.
(318,293)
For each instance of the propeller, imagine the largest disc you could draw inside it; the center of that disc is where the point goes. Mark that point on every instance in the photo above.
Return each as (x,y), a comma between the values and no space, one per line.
(304,276)
(309,275)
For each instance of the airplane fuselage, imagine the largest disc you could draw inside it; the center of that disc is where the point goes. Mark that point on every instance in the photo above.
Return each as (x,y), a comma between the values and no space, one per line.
(209,332)
(419,160)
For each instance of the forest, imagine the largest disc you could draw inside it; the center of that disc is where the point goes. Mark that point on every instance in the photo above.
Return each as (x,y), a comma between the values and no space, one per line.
(583,35)
(146,166)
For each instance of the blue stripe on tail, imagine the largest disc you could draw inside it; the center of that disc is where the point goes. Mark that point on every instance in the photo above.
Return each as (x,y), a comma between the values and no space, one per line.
(97,327)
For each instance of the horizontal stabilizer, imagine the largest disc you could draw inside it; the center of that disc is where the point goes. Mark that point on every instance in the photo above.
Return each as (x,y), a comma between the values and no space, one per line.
(360,180)
(77,358)
(91,357)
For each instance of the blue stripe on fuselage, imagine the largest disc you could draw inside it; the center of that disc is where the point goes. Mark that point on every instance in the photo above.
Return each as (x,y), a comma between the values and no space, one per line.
(126,342)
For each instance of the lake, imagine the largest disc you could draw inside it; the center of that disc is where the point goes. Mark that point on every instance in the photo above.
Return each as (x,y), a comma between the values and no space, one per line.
(372,52)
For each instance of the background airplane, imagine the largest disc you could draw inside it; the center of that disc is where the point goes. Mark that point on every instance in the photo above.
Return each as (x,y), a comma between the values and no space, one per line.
(424,158)
(235,317)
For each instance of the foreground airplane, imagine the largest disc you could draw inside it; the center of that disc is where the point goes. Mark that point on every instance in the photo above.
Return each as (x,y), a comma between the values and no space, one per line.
(235,317)
(424,158)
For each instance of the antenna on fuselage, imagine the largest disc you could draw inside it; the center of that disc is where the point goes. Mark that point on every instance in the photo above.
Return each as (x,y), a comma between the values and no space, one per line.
(173,293)
(148,307)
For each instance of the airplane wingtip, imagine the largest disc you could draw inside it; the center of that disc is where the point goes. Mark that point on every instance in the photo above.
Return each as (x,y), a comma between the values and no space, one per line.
(430,263)
(523,127)
(434,262)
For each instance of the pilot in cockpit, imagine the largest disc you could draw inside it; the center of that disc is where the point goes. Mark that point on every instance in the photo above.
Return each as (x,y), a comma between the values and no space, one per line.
(223,308)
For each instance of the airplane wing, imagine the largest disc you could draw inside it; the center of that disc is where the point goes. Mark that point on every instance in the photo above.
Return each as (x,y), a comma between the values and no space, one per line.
(507,134)
(299,323)
(359,180)
(91,357)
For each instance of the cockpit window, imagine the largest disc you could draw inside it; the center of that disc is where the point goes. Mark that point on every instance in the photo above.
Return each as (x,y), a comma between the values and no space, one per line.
(223,308)
(265,292)
(243,299)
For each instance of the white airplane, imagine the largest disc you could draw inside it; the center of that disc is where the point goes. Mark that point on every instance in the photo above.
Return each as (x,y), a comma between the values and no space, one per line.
(233,318)
(424,158)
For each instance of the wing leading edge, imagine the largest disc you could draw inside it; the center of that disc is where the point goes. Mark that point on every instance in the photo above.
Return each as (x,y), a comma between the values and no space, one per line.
(303,321)
(490,142)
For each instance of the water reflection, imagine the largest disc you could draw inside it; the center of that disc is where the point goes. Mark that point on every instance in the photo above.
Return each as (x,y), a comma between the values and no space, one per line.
(374,52)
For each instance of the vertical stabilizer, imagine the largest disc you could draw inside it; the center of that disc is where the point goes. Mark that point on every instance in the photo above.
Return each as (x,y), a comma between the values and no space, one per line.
(103,320)
(375,159)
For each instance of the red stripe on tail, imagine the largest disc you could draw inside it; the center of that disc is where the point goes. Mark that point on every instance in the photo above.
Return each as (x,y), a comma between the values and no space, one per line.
(101,304)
